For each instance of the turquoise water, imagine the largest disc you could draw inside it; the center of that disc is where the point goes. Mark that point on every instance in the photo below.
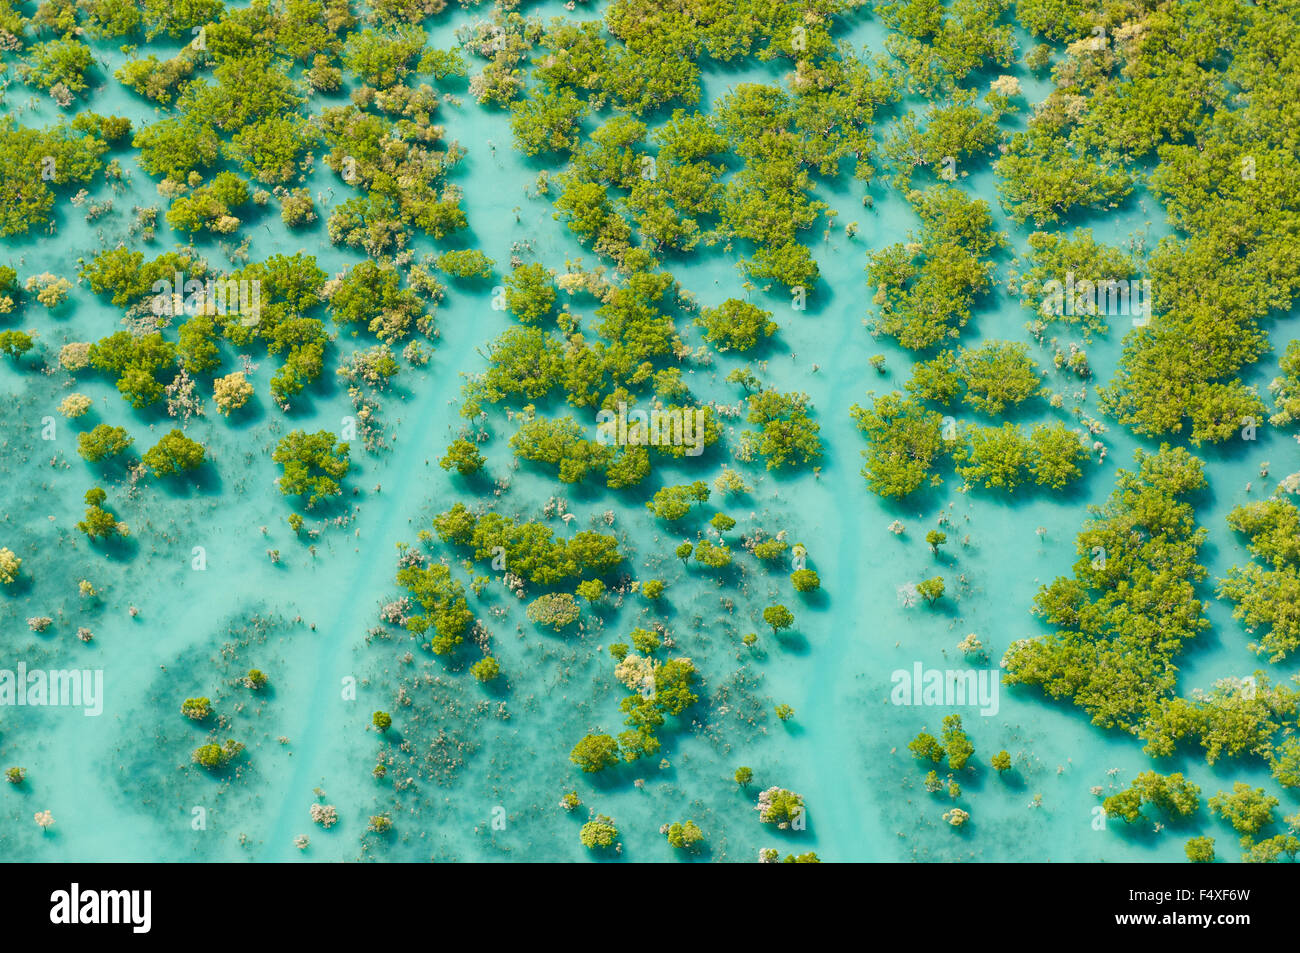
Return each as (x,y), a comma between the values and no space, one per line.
(121,787)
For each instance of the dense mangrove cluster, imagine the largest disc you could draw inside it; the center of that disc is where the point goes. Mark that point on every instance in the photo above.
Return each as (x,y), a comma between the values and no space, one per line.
(1190,103)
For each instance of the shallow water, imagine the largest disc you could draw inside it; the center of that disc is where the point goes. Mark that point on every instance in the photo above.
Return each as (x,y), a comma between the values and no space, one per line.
(120,786)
